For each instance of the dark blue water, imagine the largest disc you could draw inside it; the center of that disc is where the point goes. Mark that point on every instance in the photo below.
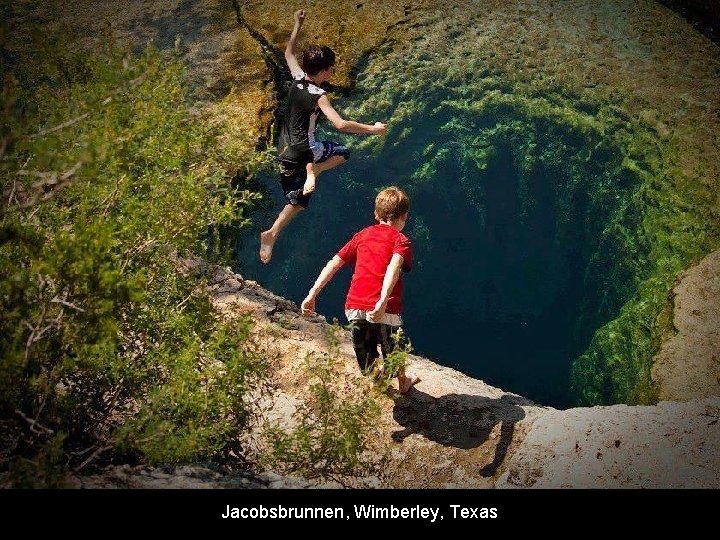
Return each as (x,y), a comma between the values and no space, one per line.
(498,286)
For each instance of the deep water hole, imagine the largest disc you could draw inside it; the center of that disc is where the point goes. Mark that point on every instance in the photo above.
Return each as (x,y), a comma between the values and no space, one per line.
(514,220)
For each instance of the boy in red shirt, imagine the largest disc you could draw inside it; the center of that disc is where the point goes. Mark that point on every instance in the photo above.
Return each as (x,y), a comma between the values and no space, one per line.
(380,254)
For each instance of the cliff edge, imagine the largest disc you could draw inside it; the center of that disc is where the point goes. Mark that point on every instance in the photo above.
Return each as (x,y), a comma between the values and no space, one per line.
(454,431)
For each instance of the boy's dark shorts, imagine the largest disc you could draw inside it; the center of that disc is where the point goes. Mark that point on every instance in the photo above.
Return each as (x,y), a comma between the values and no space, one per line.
(293,172)
(366,337)
(292,180)
(332,149)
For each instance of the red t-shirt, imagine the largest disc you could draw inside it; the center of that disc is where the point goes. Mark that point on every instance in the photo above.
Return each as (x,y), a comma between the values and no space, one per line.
(371,250)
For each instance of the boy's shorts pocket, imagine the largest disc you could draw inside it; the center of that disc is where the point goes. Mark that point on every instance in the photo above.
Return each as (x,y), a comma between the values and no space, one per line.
(292,181)
(324,150)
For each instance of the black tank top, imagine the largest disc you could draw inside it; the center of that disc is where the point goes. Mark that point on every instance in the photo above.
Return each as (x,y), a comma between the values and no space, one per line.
(297,133)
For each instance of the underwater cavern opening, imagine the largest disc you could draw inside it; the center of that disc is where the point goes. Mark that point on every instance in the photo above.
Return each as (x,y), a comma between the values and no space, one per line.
(517,223)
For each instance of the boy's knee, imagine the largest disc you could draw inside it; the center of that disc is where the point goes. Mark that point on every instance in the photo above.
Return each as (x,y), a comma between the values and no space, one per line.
(343,152)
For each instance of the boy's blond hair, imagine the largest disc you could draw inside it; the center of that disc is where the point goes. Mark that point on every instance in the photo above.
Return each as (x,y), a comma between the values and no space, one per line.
(391,203)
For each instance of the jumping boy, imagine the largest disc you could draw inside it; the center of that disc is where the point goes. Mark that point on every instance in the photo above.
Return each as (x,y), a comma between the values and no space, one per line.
(302,158)
(380,254)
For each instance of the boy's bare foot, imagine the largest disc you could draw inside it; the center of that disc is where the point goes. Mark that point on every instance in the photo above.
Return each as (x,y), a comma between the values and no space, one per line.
(309,185)
(377,371)
(267,241)
(406,382)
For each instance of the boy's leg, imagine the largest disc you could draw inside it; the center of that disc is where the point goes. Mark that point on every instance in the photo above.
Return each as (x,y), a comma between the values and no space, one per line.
(331,155)
(314,170)
(268,238)
(365,342)
(292,176)
(406,381)
(390,339)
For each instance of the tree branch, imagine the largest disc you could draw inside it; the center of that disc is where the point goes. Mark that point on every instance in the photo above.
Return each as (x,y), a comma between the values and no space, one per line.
(50,179)
(64,302)
(33,423)
(95,454)
(133,83)
(69,123)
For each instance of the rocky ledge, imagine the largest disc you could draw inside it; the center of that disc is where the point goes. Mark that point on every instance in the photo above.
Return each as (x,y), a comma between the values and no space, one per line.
(453,431)
(456,431)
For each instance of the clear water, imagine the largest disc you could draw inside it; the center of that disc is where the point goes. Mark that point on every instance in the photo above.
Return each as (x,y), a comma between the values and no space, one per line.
(494,293)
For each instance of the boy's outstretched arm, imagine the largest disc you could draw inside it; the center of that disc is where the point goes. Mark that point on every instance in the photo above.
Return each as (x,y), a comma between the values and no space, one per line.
(392,274)
(348,126)
(327,273)
(290,57)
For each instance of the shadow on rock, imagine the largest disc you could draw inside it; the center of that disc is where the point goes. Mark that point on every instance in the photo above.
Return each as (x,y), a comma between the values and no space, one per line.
(460,421)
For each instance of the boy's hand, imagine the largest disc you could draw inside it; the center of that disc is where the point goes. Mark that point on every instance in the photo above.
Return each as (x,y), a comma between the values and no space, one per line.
(308,306)
(379,128)
(299,16)
(377,313)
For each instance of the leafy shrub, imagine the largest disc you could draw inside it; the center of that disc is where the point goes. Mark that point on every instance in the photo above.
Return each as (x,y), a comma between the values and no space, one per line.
(332,435)
(108,346)
(394,362)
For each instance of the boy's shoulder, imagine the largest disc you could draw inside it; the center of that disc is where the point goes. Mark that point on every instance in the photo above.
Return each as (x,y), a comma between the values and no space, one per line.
(299,82)
(403,240)
(382,231)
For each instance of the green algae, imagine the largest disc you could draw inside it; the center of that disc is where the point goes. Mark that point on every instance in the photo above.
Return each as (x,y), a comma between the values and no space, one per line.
(467,90)
(644,219)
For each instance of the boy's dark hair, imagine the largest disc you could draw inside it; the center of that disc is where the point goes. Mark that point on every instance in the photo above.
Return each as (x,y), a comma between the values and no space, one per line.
(391,203)
(316,58)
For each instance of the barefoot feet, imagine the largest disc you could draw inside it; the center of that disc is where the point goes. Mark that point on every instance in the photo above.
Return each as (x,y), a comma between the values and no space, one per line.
(377,371)
(406,382)
(309,185)
(267,240)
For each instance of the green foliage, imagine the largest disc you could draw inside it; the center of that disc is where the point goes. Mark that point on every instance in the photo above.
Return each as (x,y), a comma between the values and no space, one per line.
(333,428)
(45,469)
(197,411)
(395,362)
(108,343)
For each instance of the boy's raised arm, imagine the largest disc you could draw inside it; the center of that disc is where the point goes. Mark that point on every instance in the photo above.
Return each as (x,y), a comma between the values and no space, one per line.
(290,57)
(327,273)
(392,274)
(348,126)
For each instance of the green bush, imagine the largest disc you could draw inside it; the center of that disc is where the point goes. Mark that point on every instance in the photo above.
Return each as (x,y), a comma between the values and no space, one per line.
(333,428)
(394,362)
(108,345)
